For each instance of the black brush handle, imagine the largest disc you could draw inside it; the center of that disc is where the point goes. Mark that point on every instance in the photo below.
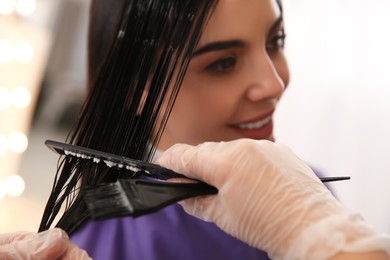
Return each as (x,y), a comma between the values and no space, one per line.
(329,179)
(154,195)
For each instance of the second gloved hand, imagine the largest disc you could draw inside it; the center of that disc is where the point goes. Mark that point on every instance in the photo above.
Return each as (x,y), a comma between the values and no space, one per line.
(270,199)
(47,245)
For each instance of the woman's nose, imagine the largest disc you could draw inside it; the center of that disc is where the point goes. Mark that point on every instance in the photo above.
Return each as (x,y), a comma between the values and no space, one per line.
(265,80)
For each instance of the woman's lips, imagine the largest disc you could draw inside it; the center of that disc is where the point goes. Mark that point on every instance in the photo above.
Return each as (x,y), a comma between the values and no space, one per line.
(257,128)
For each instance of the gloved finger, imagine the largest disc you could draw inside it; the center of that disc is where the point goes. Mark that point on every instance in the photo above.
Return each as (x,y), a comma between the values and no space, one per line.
(196,162)
(13,236)
(49,244)
(199,207)
(75,253)
(173,158)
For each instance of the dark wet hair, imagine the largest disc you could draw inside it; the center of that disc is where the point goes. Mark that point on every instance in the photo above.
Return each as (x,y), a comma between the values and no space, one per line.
(146,43)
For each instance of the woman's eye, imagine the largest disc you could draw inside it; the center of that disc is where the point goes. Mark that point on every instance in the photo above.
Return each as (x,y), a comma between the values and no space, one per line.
(222,65)
(277,42)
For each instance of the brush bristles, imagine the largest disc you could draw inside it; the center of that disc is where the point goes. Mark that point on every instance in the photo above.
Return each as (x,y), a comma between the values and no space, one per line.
(107,200)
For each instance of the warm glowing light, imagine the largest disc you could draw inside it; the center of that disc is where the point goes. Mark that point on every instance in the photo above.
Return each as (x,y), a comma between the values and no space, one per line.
(3,144)
(18,142)
(2,189)
(21,97)
(5,98)
(23,52)
(7,6)
(26,7)
(14,185)
(6,51)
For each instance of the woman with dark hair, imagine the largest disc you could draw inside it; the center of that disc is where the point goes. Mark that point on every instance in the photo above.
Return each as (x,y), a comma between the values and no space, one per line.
(227,59)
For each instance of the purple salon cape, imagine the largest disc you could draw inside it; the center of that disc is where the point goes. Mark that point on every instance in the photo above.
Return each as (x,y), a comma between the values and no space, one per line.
(167,234)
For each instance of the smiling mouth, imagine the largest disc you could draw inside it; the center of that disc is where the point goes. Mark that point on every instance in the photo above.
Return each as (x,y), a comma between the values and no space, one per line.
(254,125)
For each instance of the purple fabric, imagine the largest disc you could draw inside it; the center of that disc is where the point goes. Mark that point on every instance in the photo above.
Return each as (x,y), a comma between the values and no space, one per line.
(167,234)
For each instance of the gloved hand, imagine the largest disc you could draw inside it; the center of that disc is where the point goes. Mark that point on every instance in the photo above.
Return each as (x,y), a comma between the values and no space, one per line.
(50,244)
(270,199)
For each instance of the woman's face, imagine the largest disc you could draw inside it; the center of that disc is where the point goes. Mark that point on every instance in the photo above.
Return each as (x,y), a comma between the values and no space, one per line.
(234,80)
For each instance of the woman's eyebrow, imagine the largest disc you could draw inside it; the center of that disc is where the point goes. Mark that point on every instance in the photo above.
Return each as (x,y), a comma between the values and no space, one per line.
(223,45)
(217,46)
(276,24)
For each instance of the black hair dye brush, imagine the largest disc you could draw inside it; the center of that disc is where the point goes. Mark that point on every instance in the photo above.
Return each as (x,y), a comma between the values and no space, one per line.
(142,188)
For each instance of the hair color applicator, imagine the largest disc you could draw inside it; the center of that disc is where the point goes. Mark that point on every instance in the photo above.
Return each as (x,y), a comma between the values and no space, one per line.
(141,188)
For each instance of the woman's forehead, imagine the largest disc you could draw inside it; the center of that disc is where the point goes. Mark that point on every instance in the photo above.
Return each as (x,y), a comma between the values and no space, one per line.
(233,17)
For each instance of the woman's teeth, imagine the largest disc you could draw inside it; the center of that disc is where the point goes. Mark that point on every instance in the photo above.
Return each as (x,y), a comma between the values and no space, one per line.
(255,125)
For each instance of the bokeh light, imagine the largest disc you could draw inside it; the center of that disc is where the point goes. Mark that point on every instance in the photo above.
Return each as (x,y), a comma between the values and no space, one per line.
(21,97)
(18,142)
(3,144)
(5,98)
(6,51)
(2,189)
(26,7)
(23,52)
(7,6)
(14,185)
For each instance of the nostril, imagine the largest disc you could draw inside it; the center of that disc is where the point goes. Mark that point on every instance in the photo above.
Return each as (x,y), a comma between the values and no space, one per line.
(265,91)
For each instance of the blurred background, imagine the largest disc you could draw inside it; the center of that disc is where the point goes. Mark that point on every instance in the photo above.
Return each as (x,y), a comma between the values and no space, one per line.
(335,113)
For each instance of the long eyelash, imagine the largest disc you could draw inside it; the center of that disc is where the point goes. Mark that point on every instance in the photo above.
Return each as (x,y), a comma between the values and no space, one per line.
(211,66)
(277,38)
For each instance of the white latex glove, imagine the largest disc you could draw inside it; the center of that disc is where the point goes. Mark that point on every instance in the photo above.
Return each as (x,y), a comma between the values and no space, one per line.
(50,244)
(270,199)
